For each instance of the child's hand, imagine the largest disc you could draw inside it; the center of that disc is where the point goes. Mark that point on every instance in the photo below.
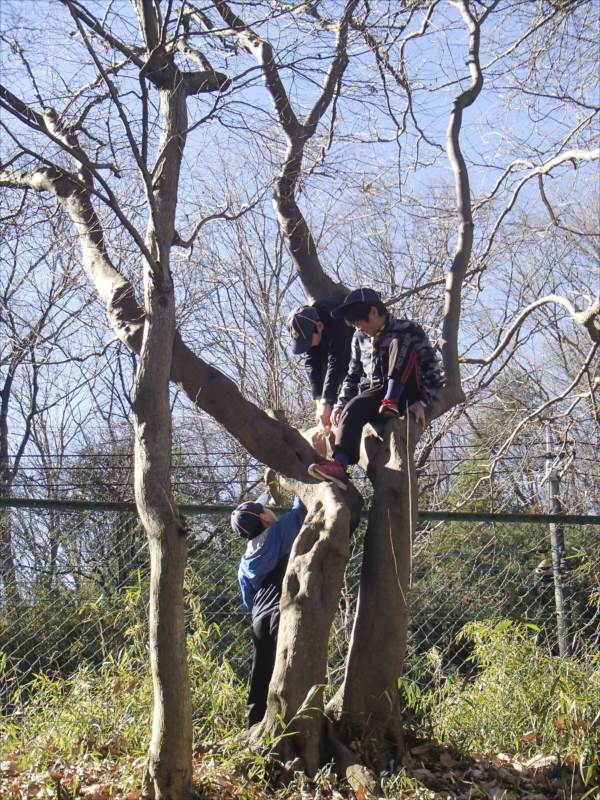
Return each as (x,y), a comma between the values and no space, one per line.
(335,416)
(319,442)
(418,412)
(323,414)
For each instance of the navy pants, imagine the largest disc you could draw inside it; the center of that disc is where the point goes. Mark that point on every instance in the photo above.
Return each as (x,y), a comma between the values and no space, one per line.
(264,639)
(364,407)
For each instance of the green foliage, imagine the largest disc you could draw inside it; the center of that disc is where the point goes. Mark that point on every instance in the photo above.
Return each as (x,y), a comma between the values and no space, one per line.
(401,784)
(521,700)
(102,711)
(218,695)
(105,709)
(60,629)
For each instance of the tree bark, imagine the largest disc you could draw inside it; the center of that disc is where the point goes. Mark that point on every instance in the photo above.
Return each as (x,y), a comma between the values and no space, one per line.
(310,597)
(367,704)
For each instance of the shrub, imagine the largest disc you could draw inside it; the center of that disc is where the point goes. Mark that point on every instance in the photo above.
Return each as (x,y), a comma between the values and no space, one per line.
(521,699)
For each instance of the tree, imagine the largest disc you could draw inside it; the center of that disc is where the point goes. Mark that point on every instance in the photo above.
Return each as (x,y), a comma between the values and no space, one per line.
(112,156)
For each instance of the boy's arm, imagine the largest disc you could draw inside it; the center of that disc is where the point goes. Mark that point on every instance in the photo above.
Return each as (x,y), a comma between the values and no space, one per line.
(355,372)
(246,590)
(313,362)
(290,524)
(338,356)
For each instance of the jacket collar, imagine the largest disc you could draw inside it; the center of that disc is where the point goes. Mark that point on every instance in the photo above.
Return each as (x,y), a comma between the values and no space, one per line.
(387,324)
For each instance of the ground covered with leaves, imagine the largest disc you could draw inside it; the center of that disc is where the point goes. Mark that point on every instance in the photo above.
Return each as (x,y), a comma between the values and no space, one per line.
(429,772)
(519,725)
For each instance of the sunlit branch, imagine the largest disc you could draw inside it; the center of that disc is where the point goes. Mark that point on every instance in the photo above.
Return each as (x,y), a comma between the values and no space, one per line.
(570,155)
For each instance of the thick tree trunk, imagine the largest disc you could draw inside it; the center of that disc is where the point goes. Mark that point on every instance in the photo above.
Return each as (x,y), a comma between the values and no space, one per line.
(310,596)
(367,703)
(168,772)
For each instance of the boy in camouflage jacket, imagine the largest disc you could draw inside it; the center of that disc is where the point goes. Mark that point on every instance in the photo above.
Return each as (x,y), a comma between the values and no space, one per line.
(392,369)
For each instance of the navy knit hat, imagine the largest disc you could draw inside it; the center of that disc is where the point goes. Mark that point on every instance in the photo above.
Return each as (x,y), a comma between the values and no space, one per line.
(355,297)
(302,323)
(245,520)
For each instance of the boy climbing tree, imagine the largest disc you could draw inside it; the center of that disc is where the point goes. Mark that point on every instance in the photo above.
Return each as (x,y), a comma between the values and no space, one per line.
(260,575)
(393,368)
(325,343)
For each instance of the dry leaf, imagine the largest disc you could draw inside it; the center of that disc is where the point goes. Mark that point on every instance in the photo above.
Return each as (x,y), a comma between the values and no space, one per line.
(447,761)
(541,762)
(9,768)
(97,791)
(529,736)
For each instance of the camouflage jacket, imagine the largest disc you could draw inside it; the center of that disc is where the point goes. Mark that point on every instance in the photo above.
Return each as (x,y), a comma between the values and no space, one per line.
(368,366)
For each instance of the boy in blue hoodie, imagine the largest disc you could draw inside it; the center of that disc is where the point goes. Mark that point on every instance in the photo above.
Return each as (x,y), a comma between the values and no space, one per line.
(260,575)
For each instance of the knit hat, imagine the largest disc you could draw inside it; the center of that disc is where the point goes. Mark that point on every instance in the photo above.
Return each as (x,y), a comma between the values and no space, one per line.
(245,520)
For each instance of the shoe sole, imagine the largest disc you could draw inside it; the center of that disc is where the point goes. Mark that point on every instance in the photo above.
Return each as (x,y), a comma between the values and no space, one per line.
(320,476)
(389,415)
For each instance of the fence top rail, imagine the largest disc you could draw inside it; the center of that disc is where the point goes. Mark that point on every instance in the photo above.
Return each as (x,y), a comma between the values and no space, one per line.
(198,509)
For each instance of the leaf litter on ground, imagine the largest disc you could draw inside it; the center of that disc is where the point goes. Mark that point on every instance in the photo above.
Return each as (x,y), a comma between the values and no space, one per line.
(429,772)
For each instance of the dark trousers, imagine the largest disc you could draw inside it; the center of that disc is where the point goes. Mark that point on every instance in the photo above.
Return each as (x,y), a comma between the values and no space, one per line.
(264,639)
(364,407)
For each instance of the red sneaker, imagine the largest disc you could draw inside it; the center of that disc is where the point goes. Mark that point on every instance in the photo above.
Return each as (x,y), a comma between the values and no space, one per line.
(388,408)
(329,471)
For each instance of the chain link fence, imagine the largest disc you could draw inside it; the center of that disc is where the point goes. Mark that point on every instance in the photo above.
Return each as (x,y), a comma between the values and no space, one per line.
(82,591)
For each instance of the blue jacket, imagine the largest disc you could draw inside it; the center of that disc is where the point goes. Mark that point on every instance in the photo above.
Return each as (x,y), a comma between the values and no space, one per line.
(262,566)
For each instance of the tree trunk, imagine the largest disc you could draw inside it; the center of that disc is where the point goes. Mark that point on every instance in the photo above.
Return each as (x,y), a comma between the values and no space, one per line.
(168,770)
(168,774)
(367,704)
(310,597)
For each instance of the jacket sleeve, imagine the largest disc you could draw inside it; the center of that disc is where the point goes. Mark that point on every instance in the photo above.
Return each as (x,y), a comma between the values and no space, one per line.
(247,590)
(313,361)
(290,526)
(403,344)
(338,355)
(431,372)
(355,372)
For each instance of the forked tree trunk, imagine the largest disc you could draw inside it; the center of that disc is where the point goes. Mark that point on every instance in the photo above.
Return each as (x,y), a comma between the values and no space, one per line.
(310,597)
(367,706)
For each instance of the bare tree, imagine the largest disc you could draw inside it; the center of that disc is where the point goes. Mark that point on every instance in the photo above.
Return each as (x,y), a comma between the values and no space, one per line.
(113,157)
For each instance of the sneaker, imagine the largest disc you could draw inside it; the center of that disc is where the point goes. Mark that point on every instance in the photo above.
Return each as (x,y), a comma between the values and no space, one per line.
(388,408)
(329,471)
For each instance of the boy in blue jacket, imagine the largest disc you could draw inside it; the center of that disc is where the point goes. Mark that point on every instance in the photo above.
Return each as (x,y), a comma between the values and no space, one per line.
(260,575)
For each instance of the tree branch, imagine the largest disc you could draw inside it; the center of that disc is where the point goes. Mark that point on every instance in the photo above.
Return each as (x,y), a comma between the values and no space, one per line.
(542,169)
(290,219)
(453,392)
(588,318)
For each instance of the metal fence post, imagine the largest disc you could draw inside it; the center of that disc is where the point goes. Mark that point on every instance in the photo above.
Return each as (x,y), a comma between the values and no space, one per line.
(558,547)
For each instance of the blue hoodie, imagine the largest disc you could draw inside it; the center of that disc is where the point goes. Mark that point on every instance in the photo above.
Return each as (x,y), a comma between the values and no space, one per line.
(263,565)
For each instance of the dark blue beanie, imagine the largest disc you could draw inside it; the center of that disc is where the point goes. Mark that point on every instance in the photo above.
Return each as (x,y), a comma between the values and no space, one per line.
(245,520)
